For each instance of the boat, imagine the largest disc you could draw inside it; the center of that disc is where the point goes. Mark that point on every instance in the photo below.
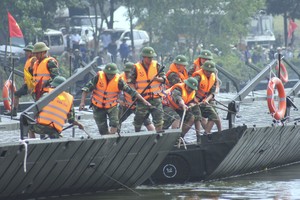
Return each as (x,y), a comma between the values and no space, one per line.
(43,168)
(238,150)
(32,168)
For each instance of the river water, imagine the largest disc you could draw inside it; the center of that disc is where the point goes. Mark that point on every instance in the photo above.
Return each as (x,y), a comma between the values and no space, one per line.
(280,183)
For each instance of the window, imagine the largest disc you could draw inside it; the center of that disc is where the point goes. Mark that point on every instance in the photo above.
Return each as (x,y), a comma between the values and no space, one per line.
(56,40)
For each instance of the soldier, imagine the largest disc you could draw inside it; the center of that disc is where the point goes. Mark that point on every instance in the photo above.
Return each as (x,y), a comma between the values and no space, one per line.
(177,72)
(150,85)
(125,100)
(204,56)
(51,118)
(45,69)
(27,87)
(178,98)
(206,89)
(106,87)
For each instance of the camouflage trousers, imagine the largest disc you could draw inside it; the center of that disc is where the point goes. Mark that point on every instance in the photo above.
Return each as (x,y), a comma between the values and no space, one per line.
(196,112)
(143,112)
(123,109)
(101,115)
(205,111)
(209,112)
(170,115)
(44,130)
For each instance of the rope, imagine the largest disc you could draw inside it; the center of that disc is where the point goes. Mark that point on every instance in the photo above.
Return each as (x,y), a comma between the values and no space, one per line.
(170,115)
(183,142)
(123,185)
(24,142)
(182,119)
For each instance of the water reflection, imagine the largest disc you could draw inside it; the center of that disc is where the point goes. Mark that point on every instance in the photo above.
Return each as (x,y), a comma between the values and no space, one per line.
(280,183)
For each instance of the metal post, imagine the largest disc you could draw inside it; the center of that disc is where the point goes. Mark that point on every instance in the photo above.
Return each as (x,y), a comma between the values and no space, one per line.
(12,87)
(279,63)
(233,108)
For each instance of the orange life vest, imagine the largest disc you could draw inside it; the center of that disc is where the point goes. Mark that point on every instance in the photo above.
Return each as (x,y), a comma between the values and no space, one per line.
(197,64)
(106,93)
(56,112)
(173,69)
(186,97)
(40,71)
(128,99)
(205,84)
(144,77)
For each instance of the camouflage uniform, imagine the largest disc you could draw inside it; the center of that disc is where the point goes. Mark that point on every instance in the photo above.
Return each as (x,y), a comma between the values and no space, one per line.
(124,108)
(100,114)
(170,114)
(143,111)
(43,130)
(205,54)
(173,77)
(207,111)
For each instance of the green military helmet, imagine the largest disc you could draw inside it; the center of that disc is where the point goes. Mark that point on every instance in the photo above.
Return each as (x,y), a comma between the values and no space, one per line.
(40,47)
(206,54)
(111,68)
(180,60)
(192,83)
(29,47)
(148,52)
(209,66)
(57,81)
(128,66)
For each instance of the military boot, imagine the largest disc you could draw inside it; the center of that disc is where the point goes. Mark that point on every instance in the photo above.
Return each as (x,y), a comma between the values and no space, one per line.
(8,112)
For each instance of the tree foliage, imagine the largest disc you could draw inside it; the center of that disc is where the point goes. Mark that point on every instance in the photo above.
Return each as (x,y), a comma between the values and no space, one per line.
(196,22)
(278,7)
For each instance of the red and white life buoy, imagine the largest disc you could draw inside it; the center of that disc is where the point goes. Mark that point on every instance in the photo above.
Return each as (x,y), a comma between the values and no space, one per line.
(6,91)
(283,73)
(279,113)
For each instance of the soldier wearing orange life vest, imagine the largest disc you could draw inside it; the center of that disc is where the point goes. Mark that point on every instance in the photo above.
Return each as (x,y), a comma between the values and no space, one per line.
(143,73)
(51,119)
(28,82)
(206,90)
(126,100)
(177,72)
(177,99)
(45,69)
(106,87)
(198,62)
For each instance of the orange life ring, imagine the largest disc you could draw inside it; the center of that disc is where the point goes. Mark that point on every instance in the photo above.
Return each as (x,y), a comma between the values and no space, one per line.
(7,88)
(279,113)
(283,73)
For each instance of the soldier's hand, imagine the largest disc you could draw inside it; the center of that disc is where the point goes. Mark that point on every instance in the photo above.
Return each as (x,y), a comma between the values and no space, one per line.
(33,60)
(81,106)
(185,107)
(204,101)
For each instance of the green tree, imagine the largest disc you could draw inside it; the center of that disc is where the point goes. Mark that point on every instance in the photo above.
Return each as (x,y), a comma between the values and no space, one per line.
(195,22)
